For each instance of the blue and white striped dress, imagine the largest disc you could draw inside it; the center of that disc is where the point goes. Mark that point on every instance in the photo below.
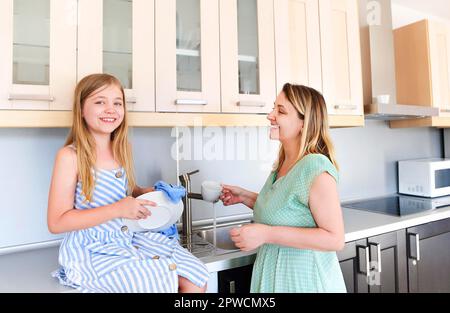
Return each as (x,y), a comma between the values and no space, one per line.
(111,258)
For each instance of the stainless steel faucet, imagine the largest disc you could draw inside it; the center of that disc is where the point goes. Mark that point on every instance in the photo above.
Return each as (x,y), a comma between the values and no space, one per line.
(185,180)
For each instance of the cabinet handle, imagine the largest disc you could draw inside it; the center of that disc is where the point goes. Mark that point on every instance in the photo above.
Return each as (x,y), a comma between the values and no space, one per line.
(417,239)
(131,100)
(345,107)
(31,97)
(251,104)
(190,102)
(378,249)
(367,260)
(232,286)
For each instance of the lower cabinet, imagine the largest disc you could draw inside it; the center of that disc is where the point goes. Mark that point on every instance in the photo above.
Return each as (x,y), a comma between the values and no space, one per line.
(235,280)
(416,259)
(429,257)
(376,264)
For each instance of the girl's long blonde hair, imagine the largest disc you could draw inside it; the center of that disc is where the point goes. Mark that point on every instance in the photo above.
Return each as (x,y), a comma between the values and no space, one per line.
(82,139)
(315,136)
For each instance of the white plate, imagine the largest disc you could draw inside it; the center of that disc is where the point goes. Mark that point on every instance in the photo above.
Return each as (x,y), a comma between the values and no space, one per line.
(163,215)
(159,218)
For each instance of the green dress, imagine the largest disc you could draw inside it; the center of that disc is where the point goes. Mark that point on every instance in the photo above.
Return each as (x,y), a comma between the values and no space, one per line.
(285,203)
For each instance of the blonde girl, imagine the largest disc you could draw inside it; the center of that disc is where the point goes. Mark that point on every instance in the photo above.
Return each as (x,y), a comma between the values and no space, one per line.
(93,187)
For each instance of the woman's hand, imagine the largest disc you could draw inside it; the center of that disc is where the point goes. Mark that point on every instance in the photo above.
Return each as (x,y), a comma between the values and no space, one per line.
(134,209)
(232,195)
(250,236)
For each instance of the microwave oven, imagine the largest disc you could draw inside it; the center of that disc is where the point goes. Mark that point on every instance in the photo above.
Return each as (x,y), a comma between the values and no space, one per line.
(424,178)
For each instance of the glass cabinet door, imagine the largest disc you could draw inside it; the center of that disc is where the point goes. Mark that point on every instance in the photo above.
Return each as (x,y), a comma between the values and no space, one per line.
(247,55)
(116,37)
(118,40)
(341,56)
(187,56)
(38,58)
(297,47)
(31,43)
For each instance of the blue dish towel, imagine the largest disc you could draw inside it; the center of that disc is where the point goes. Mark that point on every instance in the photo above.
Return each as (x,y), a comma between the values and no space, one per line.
(175,193)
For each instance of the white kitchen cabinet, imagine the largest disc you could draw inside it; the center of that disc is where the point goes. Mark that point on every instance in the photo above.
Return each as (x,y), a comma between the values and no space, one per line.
(341,56)
(247,56)
(297,43)
(187,56)
(37,54)
(117,37)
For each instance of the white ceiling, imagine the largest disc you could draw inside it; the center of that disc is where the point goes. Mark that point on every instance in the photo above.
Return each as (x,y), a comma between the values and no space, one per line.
(440,8)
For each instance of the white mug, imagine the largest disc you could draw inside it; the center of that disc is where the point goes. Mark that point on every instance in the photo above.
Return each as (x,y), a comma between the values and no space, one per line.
(383,99)
(211,191)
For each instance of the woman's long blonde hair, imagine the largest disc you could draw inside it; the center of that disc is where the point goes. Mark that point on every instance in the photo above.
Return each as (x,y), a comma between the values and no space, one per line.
(315,137)
(82,139)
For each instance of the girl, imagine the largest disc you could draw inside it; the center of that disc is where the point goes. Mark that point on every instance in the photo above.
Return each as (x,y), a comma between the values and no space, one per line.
(298,219)
(93,187)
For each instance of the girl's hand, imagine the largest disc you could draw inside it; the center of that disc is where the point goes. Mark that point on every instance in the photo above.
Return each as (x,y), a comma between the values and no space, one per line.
(134,209)
(250,236)
(146,190)
(232,195)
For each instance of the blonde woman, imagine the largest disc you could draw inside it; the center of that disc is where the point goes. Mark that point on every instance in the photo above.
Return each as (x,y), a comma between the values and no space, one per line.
(298,219)
(93,187)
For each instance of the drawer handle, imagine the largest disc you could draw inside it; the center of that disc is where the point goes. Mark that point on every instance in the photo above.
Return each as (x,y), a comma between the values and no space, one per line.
(345,107)
(378,250)
(251,104)
(131,100)
(13,97)
(365,271)
(416,237)
(190,102)
(232,286)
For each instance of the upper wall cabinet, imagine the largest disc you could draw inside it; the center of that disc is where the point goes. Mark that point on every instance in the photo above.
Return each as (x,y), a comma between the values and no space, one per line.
(341,57)
(297,43)
(117,37)
(187,56)
(37,54)
(422,57)
(247,56)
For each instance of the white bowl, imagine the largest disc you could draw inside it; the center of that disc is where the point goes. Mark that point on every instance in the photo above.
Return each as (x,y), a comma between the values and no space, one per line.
(211,191)
(163,215)
(383,99)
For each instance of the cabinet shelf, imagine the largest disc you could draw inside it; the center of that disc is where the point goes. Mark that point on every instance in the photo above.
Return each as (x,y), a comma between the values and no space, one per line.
(188,52)
(63,119)
(439,122)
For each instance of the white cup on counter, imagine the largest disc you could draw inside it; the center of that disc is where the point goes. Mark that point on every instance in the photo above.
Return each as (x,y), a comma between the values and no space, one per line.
(383,99)
(211,191)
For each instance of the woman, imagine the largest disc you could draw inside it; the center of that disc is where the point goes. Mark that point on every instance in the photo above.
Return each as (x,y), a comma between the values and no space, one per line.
(298,219)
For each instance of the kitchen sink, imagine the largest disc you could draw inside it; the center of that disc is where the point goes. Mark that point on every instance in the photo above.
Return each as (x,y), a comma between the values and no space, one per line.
(222,234)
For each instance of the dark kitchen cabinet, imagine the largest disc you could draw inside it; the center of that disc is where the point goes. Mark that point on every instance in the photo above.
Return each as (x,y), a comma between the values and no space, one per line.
(413,260)
(236,280)
(353,261)
(388,263)
(428,257)
(376,264)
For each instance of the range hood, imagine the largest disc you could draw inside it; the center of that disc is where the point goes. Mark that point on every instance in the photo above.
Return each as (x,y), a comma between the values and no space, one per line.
(378,65)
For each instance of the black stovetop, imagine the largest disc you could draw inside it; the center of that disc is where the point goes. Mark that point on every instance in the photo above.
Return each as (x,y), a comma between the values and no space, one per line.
(398,205)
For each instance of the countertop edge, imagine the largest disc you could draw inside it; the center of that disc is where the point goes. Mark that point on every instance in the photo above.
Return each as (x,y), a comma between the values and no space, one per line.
(404,223)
